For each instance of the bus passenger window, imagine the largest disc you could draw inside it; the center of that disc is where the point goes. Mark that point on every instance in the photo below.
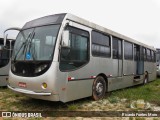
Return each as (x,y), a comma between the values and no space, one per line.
(78,53)
(100,44)
(149,55)
(4,55)
(144,54)
(128,50)
(117,48)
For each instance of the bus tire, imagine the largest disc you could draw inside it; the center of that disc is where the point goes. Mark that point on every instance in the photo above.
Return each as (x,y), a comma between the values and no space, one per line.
(98,88)
(145,81)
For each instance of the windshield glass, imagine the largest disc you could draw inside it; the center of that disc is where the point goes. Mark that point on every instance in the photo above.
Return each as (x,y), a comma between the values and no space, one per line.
(36,43)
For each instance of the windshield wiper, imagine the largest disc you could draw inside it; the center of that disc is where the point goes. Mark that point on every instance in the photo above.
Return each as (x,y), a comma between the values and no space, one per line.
(30,46)
(24,43)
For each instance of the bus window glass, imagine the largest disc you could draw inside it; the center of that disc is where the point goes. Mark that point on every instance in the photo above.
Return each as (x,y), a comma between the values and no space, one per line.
(135,52)
(78,54)
(152,56)
(157,55)
(117,48)
(148,55)
(4,57)
(144,54)
(128,51)
(100,44)
(4,54)
(39,42)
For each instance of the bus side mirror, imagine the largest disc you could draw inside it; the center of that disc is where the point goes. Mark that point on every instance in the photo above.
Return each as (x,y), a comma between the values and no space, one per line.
(65,39)
(5,35)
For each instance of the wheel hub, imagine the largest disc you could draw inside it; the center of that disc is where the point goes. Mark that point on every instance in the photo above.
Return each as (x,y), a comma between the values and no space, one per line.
(99,88)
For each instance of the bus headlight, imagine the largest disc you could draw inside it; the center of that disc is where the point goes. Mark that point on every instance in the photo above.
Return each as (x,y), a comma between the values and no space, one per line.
(40,68)
(44,85)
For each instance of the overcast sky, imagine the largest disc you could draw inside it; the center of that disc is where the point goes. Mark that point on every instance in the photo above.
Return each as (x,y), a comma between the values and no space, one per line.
(137,19)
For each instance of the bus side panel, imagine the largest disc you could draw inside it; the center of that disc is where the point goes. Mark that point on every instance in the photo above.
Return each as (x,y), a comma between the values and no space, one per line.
(150,67)
(4,71)
(3,80)
(115,68)
(147,67)
(128,67)
(122,82)
(135,67)
(78,87)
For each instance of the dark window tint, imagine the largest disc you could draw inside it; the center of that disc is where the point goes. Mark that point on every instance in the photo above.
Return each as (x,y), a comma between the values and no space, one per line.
(158,51)
(100,44)
(136,52)
(152,55)
(4,53)
(78,53)
(144,54)
(4,57)
(128,51)
(148,55)
(117,48)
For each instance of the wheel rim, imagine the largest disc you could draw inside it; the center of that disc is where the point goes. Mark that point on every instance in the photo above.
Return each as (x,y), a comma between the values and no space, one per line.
(99,88)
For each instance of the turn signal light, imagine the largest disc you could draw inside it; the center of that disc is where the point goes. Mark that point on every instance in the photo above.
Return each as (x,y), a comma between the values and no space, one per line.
(44,85)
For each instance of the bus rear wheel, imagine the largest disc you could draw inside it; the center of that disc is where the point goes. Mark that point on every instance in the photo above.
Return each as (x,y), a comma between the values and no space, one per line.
(99,88)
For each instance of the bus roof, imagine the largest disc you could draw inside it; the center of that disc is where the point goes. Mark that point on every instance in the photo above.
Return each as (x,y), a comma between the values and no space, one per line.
(58,18)
(47,20)
(82,21)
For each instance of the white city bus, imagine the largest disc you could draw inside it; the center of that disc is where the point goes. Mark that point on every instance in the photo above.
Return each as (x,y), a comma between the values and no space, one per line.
(63,57)
(5,54)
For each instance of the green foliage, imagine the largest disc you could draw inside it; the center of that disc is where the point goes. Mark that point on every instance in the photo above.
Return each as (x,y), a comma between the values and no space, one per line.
(113,99)
(139,118)
(155,119)
(149,92)
(130,118)
(72,107)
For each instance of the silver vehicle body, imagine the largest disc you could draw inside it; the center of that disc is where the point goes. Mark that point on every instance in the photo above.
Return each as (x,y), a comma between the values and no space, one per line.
(77,83)
(5,61)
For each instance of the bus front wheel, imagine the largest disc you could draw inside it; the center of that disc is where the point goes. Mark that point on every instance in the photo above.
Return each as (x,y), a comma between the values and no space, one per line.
(99,88)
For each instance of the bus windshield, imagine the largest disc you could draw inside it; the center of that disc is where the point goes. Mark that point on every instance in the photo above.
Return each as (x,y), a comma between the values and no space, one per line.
(36,43)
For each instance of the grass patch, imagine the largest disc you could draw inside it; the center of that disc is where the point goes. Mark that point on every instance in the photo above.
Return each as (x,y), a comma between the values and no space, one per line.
(113,99)
(149,92)
(72,107)
(131,118)
(139,118)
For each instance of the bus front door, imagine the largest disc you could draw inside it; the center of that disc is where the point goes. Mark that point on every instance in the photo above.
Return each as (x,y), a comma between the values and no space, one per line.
(139,61)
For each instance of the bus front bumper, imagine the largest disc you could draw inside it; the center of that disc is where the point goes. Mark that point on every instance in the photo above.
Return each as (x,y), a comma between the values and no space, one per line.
(28,91)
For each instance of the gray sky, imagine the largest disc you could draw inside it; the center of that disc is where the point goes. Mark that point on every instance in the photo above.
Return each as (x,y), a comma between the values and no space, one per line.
(137,19)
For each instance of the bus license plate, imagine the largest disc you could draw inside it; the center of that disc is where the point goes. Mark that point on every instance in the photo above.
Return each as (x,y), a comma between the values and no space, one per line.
(21,84)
